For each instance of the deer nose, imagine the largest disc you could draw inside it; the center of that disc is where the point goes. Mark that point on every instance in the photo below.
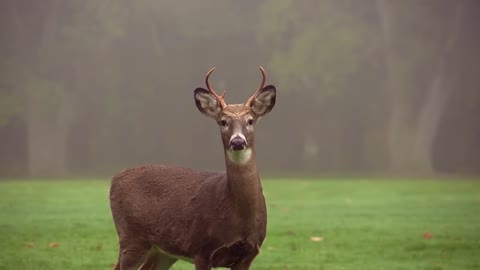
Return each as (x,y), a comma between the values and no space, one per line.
(238,143)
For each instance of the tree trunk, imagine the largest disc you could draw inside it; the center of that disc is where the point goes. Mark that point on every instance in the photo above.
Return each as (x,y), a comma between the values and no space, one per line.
(46,100)
(47,134)
(411,137)
(436,98)
(46,148)
(399,130)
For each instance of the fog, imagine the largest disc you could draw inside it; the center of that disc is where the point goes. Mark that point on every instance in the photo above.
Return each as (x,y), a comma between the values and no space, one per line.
(88,88)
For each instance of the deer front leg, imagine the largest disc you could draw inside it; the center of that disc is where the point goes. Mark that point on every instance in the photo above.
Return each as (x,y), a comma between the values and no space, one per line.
(243,265)
(202,263)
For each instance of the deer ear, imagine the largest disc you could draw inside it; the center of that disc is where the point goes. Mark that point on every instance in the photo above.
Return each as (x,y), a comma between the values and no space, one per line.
(207,103)
(264,101)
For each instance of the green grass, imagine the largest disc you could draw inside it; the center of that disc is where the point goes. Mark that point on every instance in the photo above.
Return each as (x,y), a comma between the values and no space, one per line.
(363,224)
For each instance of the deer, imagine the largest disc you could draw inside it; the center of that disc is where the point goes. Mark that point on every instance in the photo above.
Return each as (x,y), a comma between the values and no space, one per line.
(212,219)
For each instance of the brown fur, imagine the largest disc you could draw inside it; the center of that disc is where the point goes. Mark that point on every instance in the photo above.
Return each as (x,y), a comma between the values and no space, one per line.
(186,213)
(215,219)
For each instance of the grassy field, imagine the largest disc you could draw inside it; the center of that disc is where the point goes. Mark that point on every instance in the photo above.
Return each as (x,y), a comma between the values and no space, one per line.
(357,224)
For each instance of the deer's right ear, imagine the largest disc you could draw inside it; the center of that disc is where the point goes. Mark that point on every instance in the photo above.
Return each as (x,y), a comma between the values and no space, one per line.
(207,103)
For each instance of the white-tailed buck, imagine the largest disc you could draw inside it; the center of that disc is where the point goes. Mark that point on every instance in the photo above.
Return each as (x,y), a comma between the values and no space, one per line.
(212,219)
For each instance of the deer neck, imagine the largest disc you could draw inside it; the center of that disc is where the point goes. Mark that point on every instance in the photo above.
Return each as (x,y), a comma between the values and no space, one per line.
(243,182)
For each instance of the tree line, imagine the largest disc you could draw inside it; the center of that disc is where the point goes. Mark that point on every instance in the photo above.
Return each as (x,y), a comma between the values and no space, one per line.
(89,87)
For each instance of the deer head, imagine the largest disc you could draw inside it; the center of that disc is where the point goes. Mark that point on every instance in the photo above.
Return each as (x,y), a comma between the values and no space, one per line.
(236,121)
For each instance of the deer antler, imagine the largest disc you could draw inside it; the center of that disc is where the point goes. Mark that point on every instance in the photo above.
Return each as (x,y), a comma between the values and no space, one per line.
(264,77)
(220,98)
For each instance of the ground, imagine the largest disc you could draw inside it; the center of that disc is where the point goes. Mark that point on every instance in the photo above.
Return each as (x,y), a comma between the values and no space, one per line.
(313,224)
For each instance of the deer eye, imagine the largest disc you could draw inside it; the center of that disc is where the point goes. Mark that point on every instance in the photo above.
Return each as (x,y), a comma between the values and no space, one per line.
(223,123)
(250,122)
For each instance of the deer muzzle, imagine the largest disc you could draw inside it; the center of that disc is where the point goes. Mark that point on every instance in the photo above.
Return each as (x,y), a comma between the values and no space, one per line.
(238,143)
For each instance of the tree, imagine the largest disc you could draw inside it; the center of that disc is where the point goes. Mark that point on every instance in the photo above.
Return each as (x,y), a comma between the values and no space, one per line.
(319,53)
(48,45)
(417,104)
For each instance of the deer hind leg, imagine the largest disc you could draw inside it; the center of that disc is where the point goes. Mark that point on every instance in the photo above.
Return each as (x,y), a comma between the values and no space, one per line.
(132,255)
(157,261)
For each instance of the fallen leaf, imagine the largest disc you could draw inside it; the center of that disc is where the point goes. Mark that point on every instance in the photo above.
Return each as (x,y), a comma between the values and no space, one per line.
(30,244)
(113,265)
(99,246)
(54,244)
(427,235)
(316,238)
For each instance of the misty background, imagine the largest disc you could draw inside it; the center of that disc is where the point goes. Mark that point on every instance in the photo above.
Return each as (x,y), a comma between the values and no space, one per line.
(363,87)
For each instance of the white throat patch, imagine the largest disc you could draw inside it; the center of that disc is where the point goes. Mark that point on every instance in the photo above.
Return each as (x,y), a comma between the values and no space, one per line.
(240,157)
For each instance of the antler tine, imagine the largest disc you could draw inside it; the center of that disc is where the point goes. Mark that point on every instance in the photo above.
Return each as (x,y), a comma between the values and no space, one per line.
(264,78)
(220,98)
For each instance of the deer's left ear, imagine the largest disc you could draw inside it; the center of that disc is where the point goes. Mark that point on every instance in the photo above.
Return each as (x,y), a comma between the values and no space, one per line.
(264,101)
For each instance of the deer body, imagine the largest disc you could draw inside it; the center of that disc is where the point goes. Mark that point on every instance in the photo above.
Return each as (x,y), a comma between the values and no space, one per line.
(165,213)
